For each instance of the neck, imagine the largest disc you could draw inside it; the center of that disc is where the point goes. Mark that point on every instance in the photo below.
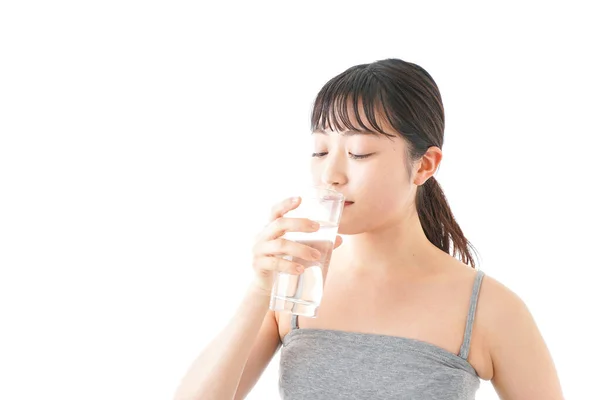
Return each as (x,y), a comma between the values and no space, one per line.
(400,246)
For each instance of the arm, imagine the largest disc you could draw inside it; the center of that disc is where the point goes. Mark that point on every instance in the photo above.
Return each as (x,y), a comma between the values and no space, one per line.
(523,367)
(266,345)
(235,359)
(225,362)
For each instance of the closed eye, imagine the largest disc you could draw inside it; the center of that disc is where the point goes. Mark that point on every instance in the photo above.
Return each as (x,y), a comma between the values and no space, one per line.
(354,156)
(359,156)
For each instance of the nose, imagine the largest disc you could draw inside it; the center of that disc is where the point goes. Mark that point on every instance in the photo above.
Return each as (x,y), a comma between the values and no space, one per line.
(334,171)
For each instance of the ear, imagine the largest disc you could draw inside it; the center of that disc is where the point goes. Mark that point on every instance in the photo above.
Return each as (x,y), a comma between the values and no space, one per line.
(427,165)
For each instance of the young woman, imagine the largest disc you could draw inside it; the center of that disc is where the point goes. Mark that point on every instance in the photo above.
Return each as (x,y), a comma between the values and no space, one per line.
(405,312)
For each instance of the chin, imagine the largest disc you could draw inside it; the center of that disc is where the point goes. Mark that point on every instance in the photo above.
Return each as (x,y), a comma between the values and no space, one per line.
(350,225)
(347,228)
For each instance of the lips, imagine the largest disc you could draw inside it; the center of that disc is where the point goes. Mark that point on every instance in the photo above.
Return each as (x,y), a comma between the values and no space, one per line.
(347,203)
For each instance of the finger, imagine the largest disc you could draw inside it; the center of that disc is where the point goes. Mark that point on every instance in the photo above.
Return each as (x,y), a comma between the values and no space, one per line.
(338,242)
(289,248)
(280,226)
(283,207)
(280,264)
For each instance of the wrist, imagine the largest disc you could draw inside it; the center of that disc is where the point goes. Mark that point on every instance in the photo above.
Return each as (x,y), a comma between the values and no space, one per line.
(258,288)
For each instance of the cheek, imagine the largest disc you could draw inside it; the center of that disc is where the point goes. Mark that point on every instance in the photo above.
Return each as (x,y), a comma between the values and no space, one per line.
(385,191)
(315,173)
(387,199)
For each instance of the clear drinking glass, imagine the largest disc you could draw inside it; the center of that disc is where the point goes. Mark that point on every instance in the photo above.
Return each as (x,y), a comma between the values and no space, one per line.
(301,294)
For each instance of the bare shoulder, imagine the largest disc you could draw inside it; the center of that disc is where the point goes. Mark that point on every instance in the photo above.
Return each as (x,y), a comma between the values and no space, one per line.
(498,303)
(522,365)
(501,312)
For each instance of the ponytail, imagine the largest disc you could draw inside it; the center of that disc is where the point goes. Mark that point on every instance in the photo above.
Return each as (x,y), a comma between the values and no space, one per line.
(438,222)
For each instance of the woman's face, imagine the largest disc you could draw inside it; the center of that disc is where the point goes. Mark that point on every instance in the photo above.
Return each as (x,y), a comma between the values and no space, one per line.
(370,170)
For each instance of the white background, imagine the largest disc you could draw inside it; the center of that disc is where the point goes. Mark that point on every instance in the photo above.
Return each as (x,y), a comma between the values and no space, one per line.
(142,145)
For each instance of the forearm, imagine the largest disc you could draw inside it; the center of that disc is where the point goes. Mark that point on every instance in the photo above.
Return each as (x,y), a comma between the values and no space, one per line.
(216,372)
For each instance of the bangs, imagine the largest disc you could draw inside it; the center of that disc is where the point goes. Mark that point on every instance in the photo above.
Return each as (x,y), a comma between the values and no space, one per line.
(353,100)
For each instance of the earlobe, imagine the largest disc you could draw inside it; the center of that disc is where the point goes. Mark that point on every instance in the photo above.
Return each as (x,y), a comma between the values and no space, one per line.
(420,179)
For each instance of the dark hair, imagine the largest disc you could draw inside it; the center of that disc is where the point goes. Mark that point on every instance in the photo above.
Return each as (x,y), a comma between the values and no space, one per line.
(409,99)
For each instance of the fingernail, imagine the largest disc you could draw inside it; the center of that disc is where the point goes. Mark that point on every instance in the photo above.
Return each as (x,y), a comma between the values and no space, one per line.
(299,269)
(316,254)
(315,225)
(295,199)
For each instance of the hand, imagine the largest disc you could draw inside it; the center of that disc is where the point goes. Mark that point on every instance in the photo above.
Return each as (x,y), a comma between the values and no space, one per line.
(270,247)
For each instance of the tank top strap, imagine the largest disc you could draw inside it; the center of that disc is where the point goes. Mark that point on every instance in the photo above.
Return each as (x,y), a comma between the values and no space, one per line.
(464,348)
(295,322)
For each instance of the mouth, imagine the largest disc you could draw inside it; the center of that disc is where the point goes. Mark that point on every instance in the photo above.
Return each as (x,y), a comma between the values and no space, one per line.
(347,203)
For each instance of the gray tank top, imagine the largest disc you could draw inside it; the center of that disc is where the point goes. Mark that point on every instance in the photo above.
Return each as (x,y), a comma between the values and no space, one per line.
(323,364)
